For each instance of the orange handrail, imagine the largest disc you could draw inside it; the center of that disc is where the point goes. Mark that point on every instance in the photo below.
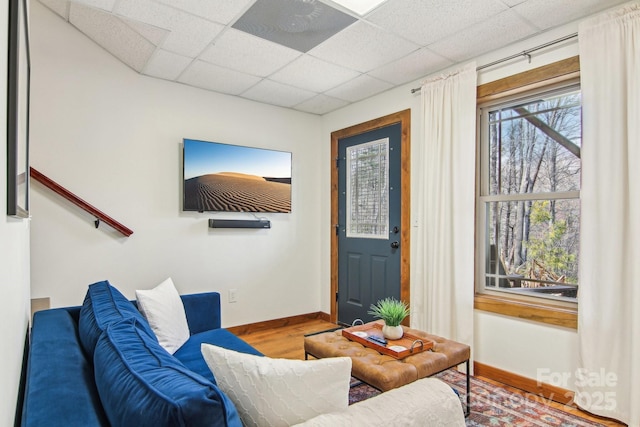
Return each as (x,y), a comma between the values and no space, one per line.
(60,190)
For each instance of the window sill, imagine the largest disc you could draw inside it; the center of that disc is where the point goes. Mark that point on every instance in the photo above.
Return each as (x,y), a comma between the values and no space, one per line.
(537,312)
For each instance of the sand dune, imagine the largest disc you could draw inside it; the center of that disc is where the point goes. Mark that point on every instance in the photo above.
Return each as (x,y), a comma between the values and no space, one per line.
(236,192)
(241,175)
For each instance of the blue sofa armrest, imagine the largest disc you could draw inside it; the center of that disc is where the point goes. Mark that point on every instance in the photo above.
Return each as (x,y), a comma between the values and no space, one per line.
(203,311)
(60,389)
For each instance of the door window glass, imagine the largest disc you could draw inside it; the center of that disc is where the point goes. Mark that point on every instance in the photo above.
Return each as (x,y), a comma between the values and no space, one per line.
(368,190)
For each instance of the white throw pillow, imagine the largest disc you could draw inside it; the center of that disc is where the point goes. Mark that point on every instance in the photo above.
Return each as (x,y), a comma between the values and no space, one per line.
(279,392)
(163,309)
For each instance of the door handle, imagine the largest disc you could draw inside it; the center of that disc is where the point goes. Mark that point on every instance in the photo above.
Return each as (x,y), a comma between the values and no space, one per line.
(395,245)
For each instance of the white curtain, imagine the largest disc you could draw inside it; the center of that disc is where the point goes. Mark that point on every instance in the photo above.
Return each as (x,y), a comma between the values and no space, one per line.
(608,376)
(442,289)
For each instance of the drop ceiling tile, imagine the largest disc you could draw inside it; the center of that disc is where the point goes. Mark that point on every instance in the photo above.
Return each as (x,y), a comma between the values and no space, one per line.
(426,21)
(154,34)
(100,4)
(250,54)
(320,104)
(223,12)
(363,47)
(548,13)
(189,34)
(275,93)
(512,3)
(488,35)
(300,24)
(359,88)
(166,65)
(112,34)
(208,76)
(60,7)
(416,65)
(313,74)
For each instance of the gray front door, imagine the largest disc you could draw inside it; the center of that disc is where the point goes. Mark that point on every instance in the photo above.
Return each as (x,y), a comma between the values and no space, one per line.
(369,220)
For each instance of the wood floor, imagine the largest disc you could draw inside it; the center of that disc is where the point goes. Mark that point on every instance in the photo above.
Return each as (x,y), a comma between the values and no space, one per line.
(287,342)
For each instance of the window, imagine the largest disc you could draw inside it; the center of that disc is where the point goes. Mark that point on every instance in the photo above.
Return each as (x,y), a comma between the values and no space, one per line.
(529,203)
(367,190)
(529,124)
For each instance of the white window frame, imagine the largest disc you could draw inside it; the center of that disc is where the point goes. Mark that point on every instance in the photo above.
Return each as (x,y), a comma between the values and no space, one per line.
(483,195)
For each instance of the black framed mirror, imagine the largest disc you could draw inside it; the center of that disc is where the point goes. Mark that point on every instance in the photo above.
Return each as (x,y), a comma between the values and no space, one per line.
(18,80)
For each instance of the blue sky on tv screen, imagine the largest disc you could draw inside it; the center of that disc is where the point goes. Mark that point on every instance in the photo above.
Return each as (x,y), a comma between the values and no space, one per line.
(203,158)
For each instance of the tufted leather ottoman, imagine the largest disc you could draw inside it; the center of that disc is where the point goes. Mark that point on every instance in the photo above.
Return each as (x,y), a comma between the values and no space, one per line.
(385,372)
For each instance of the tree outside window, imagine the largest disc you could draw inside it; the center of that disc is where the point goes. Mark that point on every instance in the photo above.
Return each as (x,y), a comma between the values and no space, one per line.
(529,206)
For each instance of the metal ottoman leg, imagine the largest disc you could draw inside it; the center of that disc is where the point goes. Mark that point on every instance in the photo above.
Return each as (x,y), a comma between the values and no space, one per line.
(467,412)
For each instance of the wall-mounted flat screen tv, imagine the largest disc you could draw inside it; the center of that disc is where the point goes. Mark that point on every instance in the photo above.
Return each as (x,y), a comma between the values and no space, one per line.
(232,178)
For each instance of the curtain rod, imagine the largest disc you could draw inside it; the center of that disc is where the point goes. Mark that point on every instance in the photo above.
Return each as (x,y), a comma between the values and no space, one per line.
(526,53)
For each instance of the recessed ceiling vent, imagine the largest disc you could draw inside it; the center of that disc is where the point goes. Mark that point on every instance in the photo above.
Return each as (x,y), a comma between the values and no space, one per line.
(298,24)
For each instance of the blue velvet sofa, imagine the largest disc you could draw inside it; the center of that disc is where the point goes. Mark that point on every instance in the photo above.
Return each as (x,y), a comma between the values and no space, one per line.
(100,364)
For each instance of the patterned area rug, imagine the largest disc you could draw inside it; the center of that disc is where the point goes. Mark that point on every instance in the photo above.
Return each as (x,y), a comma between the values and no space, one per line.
(492,405)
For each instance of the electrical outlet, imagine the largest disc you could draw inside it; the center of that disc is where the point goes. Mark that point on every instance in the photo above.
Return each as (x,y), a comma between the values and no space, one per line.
(233,295)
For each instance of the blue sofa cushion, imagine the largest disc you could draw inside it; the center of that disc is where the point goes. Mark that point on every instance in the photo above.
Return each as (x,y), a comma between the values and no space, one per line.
(140,384)
(102,306)
(191,355)
(58,367)
(202,310)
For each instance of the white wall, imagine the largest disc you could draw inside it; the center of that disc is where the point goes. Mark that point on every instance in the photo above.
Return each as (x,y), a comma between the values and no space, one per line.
(507,343)
(14,268)
(114,138)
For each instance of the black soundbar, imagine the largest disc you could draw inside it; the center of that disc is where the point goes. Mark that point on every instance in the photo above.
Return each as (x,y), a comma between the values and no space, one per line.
(239,223)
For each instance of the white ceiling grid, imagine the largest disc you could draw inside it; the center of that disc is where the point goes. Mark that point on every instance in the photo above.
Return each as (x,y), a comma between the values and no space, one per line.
(196,42)
(275,93)
(257,56)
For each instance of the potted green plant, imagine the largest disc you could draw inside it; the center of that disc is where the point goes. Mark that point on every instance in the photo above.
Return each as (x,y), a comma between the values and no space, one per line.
(393,313)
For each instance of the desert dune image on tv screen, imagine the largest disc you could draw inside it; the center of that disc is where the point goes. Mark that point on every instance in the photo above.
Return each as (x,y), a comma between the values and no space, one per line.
(232,178)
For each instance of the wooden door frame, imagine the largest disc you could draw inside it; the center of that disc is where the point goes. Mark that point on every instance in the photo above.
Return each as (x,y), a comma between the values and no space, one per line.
(404,118)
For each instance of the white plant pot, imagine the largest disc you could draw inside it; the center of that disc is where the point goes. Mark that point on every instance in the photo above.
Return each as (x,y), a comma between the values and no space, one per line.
(392,332)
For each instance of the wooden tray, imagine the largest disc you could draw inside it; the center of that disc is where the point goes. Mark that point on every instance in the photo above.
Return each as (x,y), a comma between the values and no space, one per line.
(412,344)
